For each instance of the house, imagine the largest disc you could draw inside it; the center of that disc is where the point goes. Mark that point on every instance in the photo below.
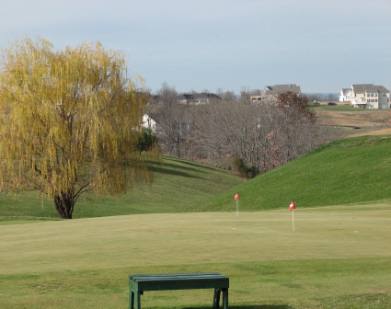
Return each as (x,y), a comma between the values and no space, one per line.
(346,95)
(148,123)
(367,96)
(195,98)
(271,93)
(256,98)
(276,90)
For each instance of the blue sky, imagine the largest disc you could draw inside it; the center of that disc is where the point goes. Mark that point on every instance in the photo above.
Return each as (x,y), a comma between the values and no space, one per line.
(322,45)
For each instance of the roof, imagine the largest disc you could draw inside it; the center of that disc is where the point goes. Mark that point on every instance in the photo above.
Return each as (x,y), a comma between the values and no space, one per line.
(345,91)
(278,89)
(369,88)
(201,95)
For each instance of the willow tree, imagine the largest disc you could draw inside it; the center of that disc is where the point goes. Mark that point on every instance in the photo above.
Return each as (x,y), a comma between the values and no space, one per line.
(69,122)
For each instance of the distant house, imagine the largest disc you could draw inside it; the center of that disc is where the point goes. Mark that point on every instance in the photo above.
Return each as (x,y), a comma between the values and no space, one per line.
(271,93)
(346,95)
(276,90)
(367,96)
(256,98)
(196,98)
(149,123)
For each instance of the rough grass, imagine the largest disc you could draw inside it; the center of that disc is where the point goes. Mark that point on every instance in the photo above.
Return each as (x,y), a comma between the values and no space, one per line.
(178,186)
(350,121)
(338,107)
(348,171)
(339,257)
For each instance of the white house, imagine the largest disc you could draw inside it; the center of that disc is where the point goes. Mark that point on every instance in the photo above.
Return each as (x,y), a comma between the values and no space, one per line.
(366,96)
(149,123)
(346,95)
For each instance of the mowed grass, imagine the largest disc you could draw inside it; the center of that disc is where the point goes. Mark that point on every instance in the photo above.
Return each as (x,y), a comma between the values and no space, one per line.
(178,186)
(348,171)
(338,257)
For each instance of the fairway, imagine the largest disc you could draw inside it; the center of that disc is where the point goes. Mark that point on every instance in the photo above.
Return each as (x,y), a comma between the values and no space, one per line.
(337,258)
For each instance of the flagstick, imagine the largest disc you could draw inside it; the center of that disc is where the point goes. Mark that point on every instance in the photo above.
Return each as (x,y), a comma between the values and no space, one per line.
(293,220)
(237,208)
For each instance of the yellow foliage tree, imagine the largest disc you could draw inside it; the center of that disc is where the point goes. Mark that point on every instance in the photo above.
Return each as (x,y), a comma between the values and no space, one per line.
(69,122)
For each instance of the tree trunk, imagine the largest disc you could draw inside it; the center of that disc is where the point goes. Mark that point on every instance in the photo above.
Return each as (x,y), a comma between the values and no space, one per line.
(64,203)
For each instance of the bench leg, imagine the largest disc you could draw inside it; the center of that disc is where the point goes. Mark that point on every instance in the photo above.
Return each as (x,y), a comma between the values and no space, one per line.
(225,298)
(131,300)
(216,299)
(138,300)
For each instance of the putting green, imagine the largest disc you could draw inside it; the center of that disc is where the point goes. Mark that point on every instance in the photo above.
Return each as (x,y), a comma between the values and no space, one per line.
(336,256)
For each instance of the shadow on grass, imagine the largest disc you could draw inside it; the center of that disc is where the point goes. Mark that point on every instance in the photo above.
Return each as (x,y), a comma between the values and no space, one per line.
(198,165)
(168,171)
(178,166)
(249,307)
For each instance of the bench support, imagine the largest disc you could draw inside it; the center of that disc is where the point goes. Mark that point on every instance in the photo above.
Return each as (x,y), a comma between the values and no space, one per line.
(135,300)
(216,299)
(140,283)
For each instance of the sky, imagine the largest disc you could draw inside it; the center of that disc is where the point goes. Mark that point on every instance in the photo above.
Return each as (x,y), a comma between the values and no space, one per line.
(322,45)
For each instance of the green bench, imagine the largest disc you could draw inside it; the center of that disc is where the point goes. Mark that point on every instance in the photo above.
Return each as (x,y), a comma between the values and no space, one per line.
(138,284)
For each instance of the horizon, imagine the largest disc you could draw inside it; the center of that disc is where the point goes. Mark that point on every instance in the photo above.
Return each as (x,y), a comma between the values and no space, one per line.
(229,45)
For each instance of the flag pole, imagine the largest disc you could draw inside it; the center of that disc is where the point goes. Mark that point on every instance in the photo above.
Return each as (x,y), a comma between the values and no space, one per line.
(292,207)
(236,198)
(293,220)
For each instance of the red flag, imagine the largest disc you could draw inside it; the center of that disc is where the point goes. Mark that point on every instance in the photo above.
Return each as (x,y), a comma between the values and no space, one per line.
(292,206)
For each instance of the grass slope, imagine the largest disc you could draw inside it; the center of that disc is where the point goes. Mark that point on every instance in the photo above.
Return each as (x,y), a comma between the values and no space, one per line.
(347,171)
(178,186)
(339,257)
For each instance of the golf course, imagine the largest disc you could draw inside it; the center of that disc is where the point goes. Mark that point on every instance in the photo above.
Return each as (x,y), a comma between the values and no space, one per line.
(338,256)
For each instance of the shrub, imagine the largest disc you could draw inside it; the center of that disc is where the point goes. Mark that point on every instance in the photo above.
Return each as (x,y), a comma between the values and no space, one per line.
(244,170)
(147,140)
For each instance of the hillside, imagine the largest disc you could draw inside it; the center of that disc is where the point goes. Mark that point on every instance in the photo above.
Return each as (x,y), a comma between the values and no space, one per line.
(353,170)
(178,186)
(348,171)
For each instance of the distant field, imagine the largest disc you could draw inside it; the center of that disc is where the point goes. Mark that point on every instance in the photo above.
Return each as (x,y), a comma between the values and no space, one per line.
(338,107)
(347,171)
(178,186)
(353,121)
(339,257)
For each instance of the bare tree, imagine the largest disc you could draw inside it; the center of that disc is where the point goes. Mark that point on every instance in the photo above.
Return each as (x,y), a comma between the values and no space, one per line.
(173,120)
(263,136)
(259,136)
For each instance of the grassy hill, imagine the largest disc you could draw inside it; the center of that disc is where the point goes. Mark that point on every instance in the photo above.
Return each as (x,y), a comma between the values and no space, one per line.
(352,170)
(347,171)
(178,186)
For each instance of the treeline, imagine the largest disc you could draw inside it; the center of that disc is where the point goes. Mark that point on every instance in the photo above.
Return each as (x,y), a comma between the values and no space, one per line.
(235,134)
